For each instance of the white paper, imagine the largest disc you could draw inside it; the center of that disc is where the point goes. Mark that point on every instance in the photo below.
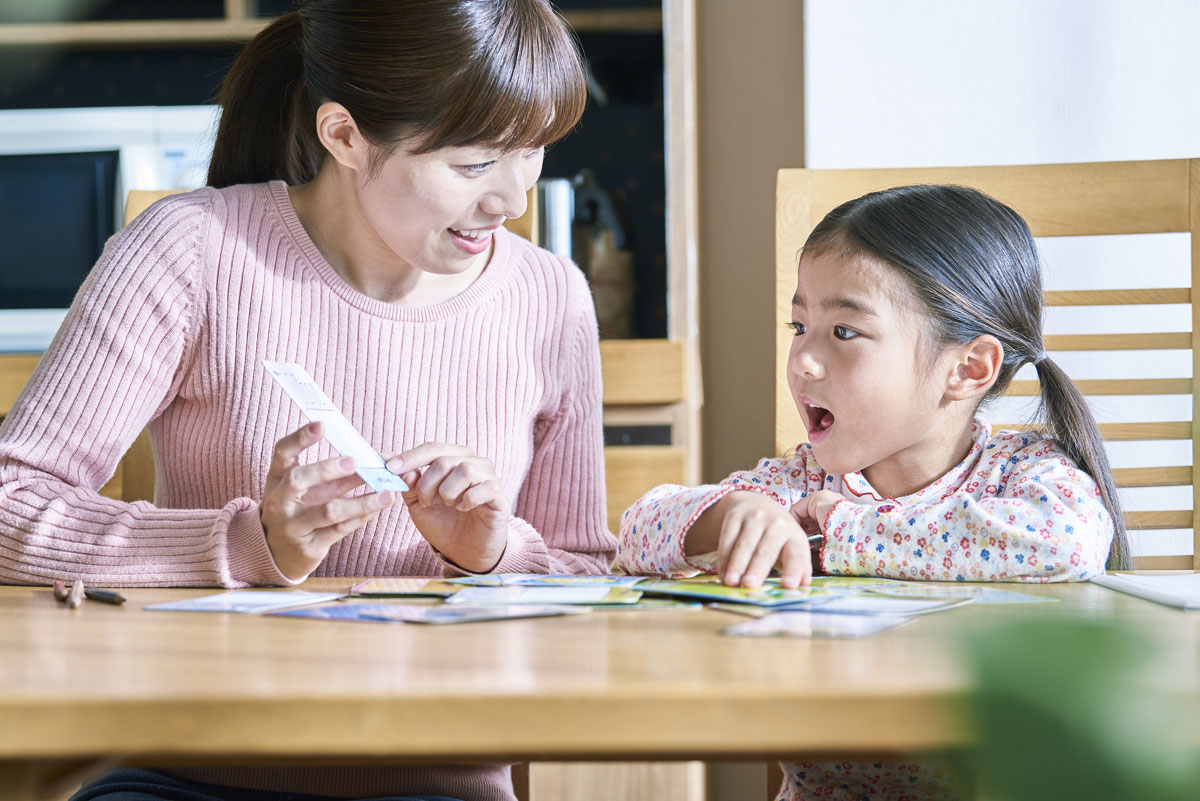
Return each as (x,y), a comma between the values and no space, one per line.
(248,601)
(339,431)
(1181,590)
(530,595)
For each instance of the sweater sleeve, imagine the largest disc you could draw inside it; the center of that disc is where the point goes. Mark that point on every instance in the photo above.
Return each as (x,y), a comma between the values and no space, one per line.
(117,361)
(1029,515)
(654,529)
(559,523)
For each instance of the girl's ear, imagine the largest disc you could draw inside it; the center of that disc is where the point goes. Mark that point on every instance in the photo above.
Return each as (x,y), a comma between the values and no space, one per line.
(339,133)
(975,368)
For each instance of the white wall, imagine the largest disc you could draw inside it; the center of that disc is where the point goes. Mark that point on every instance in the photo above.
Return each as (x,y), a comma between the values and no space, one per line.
(901,83)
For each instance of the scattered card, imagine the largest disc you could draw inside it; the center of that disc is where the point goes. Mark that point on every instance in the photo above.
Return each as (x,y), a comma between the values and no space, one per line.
(247,601)
(339,431)
(766,595)
(547,580)
(870,603)
(564,594)
(428,613)
(401,586)
(815,624)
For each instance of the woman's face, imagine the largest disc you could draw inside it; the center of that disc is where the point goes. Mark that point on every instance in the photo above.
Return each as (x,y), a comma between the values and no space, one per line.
(436,212)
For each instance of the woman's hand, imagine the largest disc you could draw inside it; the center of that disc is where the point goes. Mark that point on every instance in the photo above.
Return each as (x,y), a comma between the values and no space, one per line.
(456,502)
(756,535)
(304,511)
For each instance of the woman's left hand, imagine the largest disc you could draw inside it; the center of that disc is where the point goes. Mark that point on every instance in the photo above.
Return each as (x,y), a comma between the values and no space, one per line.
(456,502)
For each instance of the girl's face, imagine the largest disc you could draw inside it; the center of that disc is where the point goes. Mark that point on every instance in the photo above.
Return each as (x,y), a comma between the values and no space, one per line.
(864,388)
(437,212)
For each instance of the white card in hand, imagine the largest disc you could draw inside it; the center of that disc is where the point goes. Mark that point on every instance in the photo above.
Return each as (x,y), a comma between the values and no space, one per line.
(342,435)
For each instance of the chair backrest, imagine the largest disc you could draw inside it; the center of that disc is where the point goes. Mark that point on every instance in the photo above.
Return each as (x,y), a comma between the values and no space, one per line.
(1068,200)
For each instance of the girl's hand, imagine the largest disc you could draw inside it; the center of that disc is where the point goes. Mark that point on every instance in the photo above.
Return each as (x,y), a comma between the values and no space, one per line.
(756,535)
(304,511)
(456,502)
(811,510)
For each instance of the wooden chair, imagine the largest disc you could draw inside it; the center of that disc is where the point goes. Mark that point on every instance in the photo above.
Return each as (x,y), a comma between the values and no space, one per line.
(1057,200)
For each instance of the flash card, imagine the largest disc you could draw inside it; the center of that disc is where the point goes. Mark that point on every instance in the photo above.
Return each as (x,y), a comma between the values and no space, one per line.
(342,435)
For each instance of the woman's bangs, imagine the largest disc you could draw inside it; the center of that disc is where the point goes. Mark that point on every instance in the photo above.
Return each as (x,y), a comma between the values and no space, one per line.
(525,89)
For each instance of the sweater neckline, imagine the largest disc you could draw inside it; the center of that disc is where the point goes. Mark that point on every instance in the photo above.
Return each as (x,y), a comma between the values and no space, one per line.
(469,298)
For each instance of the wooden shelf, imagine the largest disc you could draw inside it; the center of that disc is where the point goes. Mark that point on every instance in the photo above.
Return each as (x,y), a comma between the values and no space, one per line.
(234,30)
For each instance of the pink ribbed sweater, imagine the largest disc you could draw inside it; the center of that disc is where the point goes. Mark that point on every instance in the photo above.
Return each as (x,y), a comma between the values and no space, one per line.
(169,332)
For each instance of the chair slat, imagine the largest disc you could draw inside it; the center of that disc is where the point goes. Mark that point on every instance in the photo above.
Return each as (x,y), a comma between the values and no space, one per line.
(1179,562)
(1122,432)
(1112,386)
(1117,297)
(1181,340)
(1159,519)
(1177,476)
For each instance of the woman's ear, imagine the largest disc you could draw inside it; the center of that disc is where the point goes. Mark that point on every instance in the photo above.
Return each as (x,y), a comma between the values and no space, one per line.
(339,133)
(975,368)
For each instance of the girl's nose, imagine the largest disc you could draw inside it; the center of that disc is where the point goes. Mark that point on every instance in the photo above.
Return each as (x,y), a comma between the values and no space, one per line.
(803,363)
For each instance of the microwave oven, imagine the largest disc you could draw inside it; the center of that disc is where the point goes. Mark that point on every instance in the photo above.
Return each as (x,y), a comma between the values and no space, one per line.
(64,174)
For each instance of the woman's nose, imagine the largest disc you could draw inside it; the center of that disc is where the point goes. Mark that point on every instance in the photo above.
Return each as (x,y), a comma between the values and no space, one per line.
(509,195)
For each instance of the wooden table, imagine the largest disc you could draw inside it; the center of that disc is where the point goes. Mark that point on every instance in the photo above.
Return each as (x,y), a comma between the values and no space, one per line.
(103,681)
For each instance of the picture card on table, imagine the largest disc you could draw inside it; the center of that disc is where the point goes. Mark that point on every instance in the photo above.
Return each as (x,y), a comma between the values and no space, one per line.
(815,624)
(246,601)
(428,613)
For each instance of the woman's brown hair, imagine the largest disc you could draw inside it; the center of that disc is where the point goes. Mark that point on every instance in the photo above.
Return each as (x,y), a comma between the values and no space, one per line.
(972,262)
(428,73)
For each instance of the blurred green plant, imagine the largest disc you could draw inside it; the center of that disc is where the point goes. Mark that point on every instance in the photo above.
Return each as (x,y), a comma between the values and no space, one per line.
(1069,709)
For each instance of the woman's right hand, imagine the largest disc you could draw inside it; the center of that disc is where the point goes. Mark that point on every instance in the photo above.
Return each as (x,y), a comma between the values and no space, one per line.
(304,509)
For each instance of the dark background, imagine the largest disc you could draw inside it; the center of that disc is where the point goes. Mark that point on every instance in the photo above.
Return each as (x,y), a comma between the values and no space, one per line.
(622,141)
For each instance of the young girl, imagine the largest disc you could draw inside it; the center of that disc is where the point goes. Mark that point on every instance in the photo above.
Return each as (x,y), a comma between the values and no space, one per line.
(913,306)
(368,153)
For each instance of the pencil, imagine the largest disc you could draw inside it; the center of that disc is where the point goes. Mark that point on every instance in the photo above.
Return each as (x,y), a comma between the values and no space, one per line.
(76,596)
(105,596)
(60,591)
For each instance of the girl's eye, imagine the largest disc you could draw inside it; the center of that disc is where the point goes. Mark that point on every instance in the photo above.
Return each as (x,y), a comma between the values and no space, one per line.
(842,332)
(797,328)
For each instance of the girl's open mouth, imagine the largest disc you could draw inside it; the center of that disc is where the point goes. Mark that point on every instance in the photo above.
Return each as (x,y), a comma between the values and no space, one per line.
(820,421)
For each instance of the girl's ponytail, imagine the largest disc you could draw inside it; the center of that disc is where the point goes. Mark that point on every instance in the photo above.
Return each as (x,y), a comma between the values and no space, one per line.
(1073,428)
(265,131)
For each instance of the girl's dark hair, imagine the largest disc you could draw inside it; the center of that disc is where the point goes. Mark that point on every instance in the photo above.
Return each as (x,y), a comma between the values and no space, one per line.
(973,265)
(433,73)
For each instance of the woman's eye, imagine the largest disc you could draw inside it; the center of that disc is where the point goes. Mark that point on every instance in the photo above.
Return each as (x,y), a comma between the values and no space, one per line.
(842,332)
(534,152)
(477,169)
(797,328)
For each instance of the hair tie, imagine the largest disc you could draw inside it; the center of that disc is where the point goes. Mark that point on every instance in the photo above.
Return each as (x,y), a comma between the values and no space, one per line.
(1041,357)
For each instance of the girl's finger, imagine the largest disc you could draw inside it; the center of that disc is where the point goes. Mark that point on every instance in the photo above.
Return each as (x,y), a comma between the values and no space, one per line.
(765,555)
(740,550)
(795,564)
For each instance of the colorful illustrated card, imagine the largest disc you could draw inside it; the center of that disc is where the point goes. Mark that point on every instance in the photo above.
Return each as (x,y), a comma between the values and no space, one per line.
(247,601)
(815,624)
(403,586)
(427,613)
(547,580)
(564,594)
(339,431)
(870,603)
(766,595)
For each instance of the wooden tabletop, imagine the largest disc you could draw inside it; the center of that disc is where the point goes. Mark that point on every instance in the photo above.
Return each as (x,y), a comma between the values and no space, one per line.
(125,682)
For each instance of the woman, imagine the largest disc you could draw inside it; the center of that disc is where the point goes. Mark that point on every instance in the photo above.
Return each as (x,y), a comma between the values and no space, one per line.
(367,156)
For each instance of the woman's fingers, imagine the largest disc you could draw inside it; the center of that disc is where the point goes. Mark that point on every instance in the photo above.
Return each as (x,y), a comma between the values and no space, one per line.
(287,450)
(340,510)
